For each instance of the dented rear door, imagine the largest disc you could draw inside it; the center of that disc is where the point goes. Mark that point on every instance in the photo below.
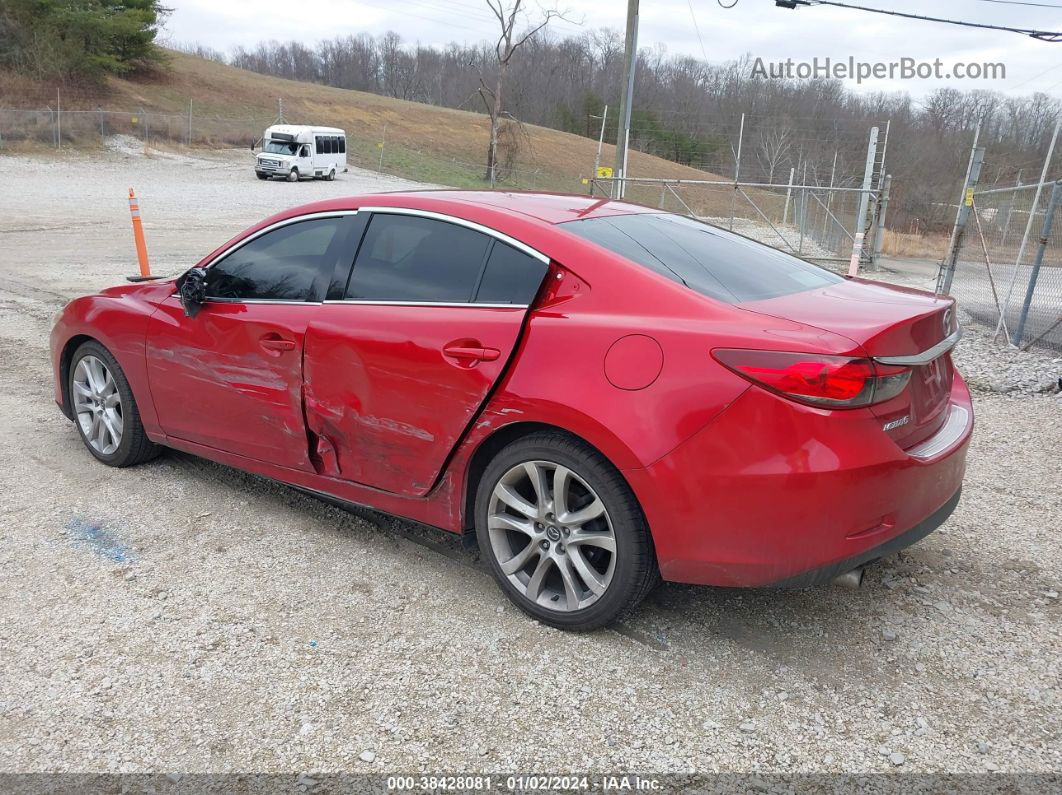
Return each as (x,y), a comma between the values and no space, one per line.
(398,365)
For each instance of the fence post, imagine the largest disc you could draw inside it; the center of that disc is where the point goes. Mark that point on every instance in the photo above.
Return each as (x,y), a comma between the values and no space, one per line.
(829,195)
(1002,324)
(189,121)
(737,170)
(864,204)
(803,216)
(1045,234)
(1010,211)
(600,143)
(879,228)
(947,265)
(788,196)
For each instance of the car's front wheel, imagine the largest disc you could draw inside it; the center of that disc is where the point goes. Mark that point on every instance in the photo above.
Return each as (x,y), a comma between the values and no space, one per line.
(293,175)
(104,410)
(562,532)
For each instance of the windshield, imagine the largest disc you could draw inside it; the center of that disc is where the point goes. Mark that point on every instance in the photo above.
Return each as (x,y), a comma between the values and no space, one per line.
(710,260)
(280,147)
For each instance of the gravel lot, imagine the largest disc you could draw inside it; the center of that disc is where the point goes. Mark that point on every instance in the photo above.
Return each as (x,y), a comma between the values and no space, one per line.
(182,616)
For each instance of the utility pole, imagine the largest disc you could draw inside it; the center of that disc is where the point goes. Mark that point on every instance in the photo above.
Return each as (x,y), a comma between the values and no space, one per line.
(630,61)
(864,206)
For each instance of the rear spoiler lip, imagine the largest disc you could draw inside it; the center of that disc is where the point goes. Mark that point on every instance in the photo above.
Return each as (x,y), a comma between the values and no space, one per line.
(926,356)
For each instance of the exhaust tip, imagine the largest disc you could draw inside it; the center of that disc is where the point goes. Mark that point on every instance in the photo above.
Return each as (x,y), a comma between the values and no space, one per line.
(850,579)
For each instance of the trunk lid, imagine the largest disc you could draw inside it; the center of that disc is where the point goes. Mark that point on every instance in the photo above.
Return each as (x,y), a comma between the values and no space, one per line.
(886,322)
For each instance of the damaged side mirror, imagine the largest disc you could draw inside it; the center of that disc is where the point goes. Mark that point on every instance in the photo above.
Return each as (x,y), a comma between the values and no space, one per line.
(192,289)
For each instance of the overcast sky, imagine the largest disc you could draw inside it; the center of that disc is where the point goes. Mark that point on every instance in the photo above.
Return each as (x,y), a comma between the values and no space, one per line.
(756,27)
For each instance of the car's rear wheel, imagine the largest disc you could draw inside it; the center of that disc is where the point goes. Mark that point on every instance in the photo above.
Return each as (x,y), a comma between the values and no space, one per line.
(104,410)
(562,532)
(331,175)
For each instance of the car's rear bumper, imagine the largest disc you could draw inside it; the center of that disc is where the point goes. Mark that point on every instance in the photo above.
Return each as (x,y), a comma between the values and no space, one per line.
(825,574)
(775,493)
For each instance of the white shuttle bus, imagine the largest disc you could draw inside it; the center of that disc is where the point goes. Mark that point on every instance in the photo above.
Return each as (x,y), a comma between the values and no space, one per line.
(297,152)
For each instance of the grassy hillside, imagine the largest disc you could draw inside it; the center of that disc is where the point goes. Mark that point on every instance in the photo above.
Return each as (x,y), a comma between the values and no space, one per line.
(408,139)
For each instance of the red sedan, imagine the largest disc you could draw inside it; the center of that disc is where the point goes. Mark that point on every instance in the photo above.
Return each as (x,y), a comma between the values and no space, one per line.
(604,393)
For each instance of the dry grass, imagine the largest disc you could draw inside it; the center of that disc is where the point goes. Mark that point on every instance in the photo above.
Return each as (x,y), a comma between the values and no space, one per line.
(408,139)
(419,141)
(904,244)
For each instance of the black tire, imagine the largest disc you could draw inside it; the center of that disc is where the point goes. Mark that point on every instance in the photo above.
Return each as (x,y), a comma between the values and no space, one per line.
(262,176)
(293,175)
(635,573)
(135,447)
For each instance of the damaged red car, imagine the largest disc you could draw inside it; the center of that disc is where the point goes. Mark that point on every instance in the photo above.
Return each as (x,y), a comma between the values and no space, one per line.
(605,394)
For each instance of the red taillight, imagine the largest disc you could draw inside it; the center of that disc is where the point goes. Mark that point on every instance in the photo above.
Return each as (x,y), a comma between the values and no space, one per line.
(834,381)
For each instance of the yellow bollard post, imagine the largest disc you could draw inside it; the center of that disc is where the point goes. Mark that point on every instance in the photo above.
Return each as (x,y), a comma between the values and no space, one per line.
(138,238)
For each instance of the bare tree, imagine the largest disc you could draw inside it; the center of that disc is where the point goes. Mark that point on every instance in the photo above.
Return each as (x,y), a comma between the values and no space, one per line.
(687,111)
(504,49)
(773,147)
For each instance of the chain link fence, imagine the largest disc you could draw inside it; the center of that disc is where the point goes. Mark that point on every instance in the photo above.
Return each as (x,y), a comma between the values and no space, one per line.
(1008,267)
(54,128)
(379,149)
(813,222)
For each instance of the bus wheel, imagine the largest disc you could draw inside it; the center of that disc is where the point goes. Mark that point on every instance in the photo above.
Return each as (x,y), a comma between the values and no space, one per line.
(331,175)
(293,175)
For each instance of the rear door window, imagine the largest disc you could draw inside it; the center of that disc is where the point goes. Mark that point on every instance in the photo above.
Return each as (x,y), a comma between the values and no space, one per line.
(415,259)
(707,259)
(510,277)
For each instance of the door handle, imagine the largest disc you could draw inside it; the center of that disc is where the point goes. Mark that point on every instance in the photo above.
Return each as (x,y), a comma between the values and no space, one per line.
(471,352)
(276,343)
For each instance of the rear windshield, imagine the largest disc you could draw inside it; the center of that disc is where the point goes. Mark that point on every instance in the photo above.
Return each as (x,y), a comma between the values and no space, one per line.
(710,260)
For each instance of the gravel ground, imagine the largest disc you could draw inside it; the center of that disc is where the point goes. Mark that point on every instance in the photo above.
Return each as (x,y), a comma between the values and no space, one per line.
(182,616)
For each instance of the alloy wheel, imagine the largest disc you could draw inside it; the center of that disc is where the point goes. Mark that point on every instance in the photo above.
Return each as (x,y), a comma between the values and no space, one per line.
(551,536)
(97,404)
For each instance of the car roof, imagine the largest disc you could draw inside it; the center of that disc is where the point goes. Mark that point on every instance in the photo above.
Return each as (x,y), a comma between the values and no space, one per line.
(550,208)
(293,129)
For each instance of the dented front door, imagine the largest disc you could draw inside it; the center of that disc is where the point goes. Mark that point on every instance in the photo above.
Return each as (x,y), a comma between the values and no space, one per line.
(231,377)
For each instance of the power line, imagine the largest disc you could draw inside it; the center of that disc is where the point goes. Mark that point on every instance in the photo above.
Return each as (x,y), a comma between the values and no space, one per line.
(1021,3)
(1036,76)
(1041,35)
(697,28)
